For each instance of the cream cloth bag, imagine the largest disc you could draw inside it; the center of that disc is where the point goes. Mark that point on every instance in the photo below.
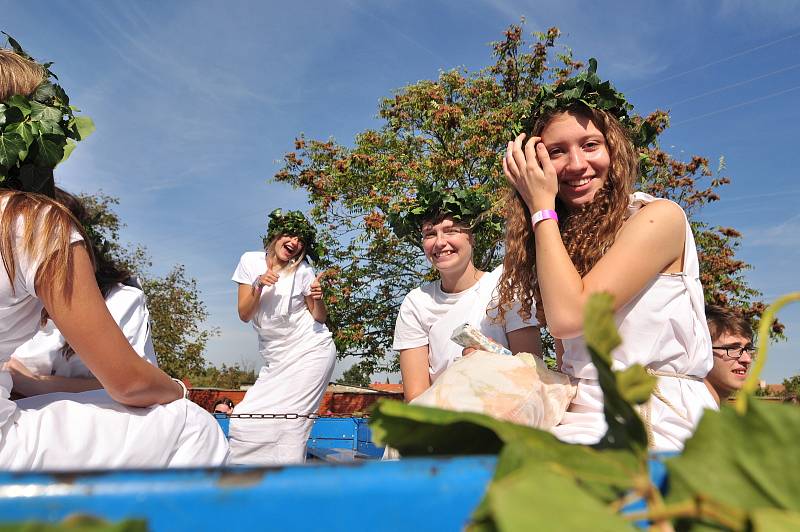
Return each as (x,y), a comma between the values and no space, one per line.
(520,389)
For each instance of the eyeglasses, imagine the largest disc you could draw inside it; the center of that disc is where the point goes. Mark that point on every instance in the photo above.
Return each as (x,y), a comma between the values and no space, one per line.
(736,352)
(448,232)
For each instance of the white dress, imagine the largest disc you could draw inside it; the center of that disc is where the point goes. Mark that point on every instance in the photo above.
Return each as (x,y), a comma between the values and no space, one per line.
(42,353)
(664,329)
(428,316)
(87,430)
(299,355)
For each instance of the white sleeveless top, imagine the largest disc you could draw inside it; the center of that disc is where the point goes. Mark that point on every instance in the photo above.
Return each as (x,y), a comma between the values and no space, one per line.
(664,329)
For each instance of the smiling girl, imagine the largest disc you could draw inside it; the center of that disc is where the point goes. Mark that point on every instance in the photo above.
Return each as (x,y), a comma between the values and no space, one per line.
(462,294)
(279,294)
(576,228)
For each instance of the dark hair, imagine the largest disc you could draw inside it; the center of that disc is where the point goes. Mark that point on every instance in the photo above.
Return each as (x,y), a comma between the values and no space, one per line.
(108,273)
(722,320)
(224,401)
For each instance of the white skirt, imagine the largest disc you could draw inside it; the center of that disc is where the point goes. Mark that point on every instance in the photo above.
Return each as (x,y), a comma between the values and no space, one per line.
(89,430)
(585,423)
(291,387)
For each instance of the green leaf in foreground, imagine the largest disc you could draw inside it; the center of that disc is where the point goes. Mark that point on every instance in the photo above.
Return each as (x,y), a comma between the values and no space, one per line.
(752,461)
(539,497)
(625,428)
(771,520)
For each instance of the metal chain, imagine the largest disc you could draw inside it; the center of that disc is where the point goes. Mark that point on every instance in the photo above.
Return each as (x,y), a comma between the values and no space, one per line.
(292,416)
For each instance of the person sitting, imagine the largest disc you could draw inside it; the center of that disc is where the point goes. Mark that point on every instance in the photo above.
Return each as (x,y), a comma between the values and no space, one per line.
(445,230)
(223,406)
(732,346)
(47,363)
(145,419)
(575,228)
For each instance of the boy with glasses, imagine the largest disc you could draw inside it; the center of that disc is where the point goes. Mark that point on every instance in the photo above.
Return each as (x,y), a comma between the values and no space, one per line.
(732,346)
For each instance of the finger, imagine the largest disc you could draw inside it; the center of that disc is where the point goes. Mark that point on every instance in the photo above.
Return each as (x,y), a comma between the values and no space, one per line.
(467,351)
(531,154)
(544,159)
(519,155)
(510,164)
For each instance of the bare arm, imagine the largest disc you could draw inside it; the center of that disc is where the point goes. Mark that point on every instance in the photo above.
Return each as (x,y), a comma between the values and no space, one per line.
(27,383)
(87,325)
(249,297)
(414,369)
(316,306)
(526,340)
(649,243)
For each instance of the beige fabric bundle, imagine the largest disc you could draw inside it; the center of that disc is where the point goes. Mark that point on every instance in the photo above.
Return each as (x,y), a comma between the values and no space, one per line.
(519,388)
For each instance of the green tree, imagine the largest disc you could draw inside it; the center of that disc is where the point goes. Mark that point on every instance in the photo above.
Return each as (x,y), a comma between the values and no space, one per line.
(453,131)
(177,311)
(359,374)
(792,386)
(225,377)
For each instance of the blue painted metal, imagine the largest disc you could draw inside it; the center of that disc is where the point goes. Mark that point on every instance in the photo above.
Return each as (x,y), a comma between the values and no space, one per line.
(418,494)
(343,433)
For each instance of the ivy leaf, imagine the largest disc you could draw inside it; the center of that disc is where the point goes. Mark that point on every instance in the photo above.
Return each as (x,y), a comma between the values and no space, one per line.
(11,145)
(753,458)
(44,112)
(49,149)
(21,103)
(82,126)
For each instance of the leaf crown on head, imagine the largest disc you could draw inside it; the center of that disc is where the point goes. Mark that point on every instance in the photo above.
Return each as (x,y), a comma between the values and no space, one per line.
(468,206)
(588,89)
(293,223)
(37,132)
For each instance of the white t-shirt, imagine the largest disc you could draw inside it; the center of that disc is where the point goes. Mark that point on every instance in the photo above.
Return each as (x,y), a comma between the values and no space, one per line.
(425,306)
(42,353)
(254,263)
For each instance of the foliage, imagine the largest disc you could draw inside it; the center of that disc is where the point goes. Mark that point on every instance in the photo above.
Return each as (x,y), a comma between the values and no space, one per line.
(359,374)
(177,312)
(37,132)
(731,475)
(468,206)
(226,377)
(792,385)
(293,223)
(452,132)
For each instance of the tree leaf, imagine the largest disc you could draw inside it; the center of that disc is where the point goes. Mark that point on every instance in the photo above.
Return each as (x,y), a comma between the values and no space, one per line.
(536,497)
(772,520)
(50,149)
(44,112)
(635,384)
(753,458)
(625,428)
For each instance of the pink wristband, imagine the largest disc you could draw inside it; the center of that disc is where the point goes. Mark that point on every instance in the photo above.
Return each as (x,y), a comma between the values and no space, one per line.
(538,216)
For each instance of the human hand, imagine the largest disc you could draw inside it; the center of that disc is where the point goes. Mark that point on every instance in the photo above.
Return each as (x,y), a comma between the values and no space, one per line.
(469,350)
(531,173)
(316,288)
(269,278)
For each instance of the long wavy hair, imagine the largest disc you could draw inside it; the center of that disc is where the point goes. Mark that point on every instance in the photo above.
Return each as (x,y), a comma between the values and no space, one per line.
(587,232)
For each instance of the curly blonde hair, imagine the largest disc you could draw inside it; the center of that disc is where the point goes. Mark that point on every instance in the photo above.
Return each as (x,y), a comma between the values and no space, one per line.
(587,232)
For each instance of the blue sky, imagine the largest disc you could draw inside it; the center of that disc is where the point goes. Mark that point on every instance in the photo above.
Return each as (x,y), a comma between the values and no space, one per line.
(196,102)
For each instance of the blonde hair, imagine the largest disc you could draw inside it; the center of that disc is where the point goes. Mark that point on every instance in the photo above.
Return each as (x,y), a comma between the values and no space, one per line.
(18,75)
(41,229)
(587,232)
(296,260)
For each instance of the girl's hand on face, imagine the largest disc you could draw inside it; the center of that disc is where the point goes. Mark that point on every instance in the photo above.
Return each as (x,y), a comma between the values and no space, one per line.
(531,173)
(316,288)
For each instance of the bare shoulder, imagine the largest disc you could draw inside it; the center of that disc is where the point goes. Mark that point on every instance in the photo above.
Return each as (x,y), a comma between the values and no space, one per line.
(660,217)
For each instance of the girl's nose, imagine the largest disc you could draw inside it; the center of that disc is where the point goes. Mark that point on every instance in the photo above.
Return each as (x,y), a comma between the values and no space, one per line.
(576,161)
